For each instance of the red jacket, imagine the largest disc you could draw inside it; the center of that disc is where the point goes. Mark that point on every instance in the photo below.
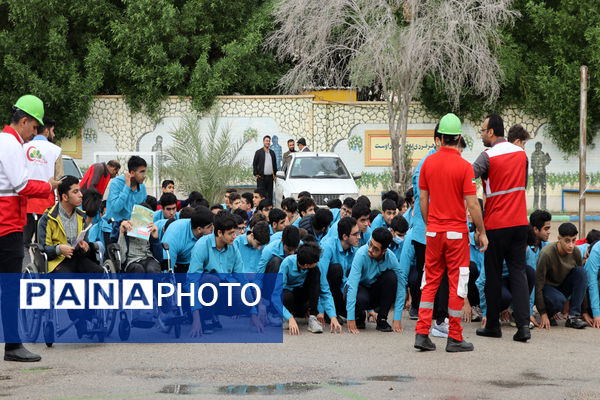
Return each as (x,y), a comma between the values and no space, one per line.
(15,187)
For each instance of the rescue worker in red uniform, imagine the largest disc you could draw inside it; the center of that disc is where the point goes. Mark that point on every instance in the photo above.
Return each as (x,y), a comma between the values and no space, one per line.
(446,180)
(15,187)
(503,170)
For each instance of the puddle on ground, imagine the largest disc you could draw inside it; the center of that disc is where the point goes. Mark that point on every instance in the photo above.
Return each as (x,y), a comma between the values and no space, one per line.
(338,383)
(533,376)
(39,369)
(518,384)
(176,389)
(279,389)
(391,378)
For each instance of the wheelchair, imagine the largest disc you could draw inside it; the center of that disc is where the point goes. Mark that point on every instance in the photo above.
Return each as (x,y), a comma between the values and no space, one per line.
(101,323)
(169,317)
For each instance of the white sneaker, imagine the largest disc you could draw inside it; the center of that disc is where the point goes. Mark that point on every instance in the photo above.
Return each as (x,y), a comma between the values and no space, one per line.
(314,325)
(274,319)
(440,330)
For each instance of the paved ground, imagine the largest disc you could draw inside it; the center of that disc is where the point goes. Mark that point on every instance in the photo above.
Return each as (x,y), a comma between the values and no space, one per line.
(557,364)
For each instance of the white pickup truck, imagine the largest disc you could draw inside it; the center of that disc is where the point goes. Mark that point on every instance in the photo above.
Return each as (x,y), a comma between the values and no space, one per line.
(324,175)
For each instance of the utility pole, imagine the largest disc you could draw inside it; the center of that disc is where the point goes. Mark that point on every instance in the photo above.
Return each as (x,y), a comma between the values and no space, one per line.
(582,147)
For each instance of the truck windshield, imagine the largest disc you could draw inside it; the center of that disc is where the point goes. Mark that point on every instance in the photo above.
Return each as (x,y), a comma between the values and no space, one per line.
(319,168)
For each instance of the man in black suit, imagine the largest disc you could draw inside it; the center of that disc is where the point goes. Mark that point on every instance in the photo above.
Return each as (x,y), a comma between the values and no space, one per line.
(302,145)
(265,167)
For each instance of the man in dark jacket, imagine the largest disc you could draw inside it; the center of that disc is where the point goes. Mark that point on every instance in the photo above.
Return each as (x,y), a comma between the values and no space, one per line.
(265,167)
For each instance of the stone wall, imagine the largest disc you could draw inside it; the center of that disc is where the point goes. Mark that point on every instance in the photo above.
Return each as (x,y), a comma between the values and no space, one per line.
(327,126)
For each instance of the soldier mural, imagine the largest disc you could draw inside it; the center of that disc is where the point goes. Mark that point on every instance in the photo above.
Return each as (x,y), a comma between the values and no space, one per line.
(539,162)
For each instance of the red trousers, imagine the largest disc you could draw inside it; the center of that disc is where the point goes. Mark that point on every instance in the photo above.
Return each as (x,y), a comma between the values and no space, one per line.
(445,250)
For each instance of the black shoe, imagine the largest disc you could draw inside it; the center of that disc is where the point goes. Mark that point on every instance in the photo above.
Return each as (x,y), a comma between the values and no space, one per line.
(21,354)
(413,313)
(217,323)
(423,343)
(454,346)
(497,333)
(575,322)
(523,334)
(208,327)
(553,322)
(383,326)
(360,320)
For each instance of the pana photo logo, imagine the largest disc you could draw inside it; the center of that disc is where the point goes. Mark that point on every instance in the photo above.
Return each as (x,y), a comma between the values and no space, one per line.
(140,294)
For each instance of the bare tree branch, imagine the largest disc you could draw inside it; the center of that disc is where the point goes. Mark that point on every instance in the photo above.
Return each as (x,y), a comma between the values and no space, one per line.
(395,43)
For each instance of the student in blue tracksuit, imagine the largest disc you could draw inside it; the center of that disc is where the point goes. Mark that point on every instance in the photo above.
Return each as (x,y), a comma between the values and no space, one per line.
(335,211)
(592,268)
(346,210)
(418,231)
(375,280)
(409,198)
(168,204)
(273,255)
(290,206)
(398,228)
(277,220)
(303,290)
(216,254)
(251,244)
(389,209)
(126,190)
(360,213)
(334,265)
(306,206)
(317,224)
(183,234)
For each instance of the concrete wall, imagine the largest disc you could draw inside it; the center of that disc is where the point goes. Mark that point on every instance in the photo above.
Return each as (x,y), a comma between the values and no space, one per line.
(341,127)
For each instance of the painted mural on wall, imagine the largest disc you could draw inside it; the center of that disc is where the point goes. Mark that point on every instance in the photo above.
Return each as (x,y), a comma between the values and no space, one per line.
(343,128)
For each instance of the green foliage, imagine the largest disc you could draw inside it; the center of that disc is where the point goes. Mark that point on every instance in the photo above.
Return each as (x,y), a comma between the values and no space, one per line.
(43,51)
(375,179)
(355,142)
(67,52)
(540,58)
(205,161)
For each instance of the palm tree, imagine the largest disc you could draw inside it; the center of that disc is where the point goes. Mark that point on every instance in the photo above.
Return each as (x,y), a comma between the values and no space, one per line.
(206,161)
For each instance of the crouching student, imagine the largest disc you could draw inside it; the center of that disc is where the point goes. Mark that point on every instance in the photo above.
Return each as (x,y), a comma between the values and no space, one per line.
(136,253)
(334,265)
(251,244)
(302,290)
(270,260)
(375,282)
(216,254)
(560,274)
(183,234)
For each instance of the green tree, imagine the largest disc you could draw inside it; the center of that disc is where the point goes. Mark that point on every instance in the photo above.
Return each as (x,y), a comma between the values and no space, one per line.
(56,52)
(541,57)
(67,52)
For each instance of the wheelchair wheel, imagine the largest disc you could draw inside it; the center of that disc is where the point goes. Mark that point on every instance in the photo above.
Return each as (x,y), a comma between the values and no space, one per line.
(30,320)
(109,322)
(124,327)
(110,267)
(49,333)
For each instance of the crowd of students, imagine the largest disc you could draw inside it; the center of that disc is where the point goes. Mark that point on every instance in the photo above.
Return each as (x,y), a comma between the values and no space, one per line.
(436,251)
